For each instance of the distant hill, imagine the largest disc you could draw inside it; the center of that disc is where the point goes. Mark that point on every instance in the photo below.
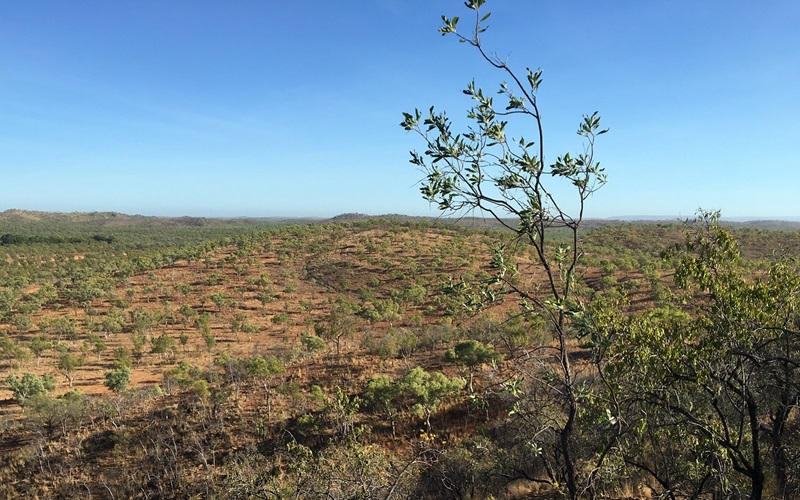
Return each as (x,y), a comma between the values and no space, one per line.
(101,218)
(112,219)
(784,224)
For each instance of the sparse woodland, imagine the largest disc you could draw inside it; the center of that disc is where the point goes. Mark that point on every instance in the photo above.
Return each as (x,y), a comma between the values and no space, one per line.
(362,358)
(524,353)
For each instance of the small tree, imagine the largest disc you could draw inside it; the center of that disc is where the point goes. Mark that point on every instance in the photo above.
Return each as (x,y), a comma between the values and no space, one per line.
(29,385)
(122,358)
(64,412)
(118,379)
(235,370)
(222,301)
(114,321)
(186,376)
(163,345)
(340,324)
(64,327)
(38,345)
(138,340)
(312,343)
(428,391)
(188,313)
(381,394)
(342,408)
(95,344)
(142,321)
(265,371)
(204,327)
(470,355)
(22,323)
(67,364)
(486,170)
(183,339)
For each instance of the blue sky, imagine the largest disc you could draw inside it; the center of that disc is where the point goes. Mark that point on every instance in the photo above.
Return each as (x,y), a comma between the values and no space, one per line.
(268,108)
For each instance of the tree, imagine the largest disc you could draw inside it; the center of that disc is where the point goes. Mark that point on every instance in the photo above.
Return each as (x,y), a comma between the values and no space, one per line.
(484,169)
(265,371)
(188,313)
(339,324)
(38,345)
(514,333)
(380,394)
(142,320)
(9,302)
(118,379)
(186,376)
(163,345)
(428,391)
(235,370)
(222,301)
(340,410)
(22,323)
(64,412)
(114,321)
(204,327)
(10,348)
(29,385)
(62,326)
(95,344)
(471,354)
(122,358)
(312,343)
(138,340)
(711,384)
(67,364)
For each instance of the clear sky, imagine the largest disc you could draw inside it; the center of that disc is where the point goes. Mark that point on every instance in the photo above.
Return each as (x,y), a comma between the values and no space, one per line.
(277,108)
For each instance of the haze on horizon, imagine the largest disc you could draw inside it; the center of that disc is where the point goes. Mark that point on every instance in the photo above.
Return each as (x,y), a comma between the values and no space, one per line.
(292,109)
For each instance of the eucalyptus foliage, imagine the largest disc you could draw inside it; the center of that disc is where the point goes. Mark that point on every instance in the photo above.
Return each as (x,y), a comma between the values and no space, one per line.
(29,385)
(704,393)
(489,169)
